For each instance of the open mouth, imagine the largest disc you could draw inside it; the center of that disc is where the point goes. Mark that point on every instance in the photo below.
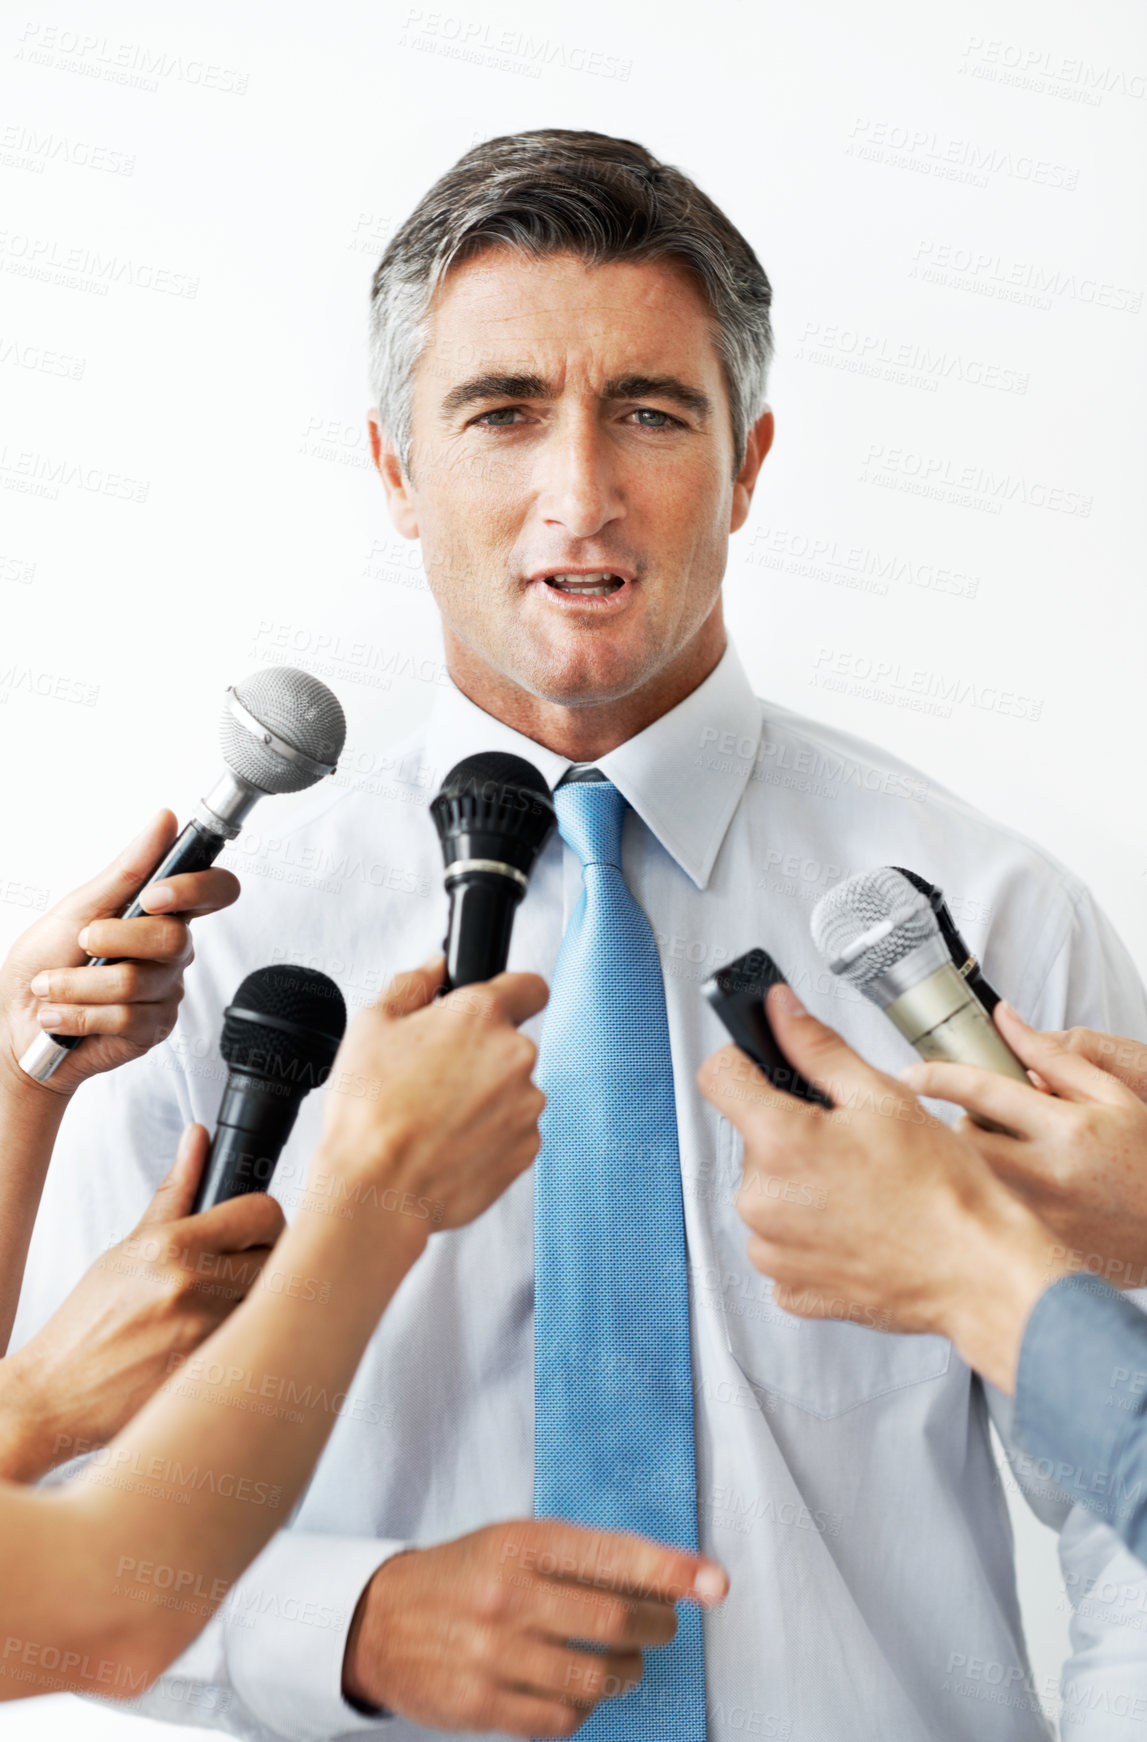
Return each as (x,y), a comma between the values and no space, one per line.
(595,586)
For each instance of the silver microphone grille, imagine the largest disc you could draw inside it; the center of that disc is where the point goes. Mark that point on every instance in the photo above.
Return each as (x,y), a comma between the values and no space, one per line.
(869,923)
(298,711)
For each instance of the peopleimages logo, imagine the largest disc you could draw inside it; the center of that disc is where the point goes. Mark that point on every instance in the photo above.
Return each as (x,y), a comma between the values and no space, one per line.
(27,148)
(904,363)
(964,160)
(967,485)
(511,51)
(915,688)
(123,63)
(1032,283)
(32,474)
(1069,78)
(860,568)
(35,358)
(87,269)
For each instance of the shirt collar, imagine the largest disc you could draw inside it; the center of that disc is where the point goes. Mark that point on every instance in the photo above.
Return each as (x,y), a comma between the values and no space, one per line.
(684,775)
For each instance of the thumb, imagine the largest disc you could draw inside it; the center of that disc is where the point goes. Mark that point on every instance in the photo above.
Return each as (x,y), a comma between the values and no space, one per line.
(175,1193)
(113,887)
(816,1050)
(414,989)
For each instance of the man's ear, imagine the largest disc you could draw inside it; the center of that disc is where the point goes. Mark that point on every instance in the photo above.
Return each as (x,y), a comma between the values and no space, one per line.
(759,442)
(387,464)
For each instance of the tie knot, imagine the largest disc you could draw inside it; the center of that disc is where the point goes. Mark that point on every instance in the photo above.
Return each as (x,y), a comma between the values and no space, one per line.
(590,817)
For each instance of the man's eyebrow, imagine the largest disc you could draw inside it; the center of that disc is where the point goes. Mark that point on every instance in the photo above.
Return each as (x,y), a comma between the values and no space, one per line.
(492,386)
(660,387)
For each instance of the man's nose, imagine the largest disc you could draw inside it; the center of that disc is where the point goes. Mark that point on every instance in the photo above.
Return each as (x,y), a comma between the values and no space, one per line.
(578,489)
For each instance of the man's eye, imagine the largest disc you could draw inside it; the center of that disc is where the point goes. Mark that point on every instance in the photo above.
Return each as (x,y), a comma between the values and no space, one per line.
(648,418)
(499,418)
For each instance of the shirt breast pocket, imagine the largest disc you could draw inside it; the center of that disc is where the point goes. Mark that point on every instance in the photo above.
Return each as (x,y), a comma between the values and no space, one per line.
(826,1366)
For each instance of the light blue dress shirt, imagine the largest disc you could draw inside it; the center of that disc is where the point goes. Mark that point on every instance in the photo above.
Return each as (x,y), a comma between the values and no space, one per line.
(846,1478)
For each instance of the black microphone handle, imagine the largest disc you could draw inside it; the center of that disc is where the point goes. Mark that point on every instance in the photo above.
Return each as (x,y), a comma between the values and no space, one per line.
(477,942)
(958,950)
(255,1119)
(194,850)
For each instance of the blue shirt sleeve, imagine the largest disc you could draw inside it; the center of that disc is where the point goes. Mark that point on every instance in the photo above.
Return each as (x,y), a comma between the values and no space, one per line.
(1081,1400)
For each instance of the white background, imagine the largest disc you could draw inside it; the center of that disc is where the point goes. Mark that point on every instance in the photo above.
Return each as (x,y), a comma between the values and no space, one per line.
(947,202)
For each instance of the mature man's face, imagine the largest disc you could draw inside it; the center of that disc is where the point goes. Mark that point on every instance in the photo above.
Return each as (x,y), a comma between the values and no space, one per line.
(572,472)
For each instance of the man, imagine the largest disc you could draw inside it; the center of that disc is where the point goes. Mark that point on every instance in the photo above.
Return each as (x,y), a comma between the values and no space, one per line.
(570,352)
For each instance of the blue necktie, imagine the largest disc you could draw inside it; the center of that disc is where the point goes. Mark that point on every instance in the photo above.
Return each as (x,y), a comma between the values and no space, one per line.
(613,1382)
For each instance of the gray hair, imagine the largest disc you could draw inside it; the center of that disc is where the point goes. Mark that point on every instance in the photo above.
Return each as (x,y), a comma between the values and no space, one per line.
(556,191)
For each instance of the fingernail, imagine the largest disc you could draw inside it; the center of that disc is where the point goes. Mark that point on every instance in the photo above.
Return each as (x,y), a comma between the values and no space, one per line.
(433,961)
(40,986)
(158,897)
(49,1018)
(788,1001)
(82,940)
(710,1584)
(911,1074)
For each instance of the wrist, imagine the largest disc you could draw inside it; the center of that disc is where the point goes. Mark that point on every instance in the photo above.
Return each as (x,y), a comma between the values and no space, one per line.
(364,1660)
(22,1095)
(380,1199)
(31,1432)
(1009,1258)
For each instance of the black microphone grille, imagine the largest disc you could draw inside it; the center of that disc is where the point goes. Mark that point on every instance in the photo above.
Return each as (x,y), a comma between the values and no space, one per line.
(495,793)
(285,1023)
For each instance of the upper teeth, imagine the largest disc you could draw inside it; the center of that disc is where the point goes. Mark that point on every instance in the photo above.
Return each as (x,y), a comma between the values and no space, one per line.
(599,583)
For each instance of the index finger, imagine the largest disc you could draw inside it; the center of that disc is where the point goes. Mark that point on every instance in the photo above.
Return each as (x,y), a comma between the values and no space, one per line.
(631,1566)
(1069,1074)
(110,890)
(739,1090)
(1023,1111)
(414,989)
(518,997)
(191,893)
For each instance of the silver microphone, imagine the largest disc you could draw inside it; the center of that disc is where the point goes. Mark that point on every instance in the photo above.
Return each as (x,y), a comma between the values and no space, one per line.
(881,935)
(282,730)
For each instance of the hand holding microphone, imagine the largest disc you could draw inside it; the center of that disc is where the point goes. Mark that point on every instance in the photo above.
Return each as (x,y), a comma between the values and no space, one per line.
(1076,1155)
(125,1008)
(436,1095)
(880,1214)
(137,1313)
(281,731)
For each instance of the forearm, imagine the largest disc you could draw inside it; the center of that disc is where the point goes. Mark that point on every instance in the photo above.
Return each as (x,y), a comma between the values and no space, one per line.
(30,1116)
(197,1482)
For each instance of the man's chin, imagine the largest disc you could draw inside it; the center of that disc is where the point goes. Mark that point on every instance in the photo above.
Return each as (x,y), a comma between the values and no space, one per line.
(587,678)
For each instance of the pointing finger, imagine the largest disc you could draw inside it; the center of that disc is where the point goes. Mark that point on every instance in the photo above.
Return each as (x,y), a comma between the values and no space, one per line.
(414,989)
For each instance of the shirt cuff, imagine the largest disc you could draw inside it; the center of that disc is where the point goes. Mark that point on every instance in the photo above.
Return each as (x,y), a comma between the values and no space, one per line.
(287,1622)
(1081,1391)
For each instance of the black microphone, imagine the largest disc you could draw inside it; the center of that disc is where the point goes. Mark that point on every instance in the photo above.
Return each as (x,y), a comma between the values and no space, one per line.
(494,815)
(281,731)
(280,1037)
